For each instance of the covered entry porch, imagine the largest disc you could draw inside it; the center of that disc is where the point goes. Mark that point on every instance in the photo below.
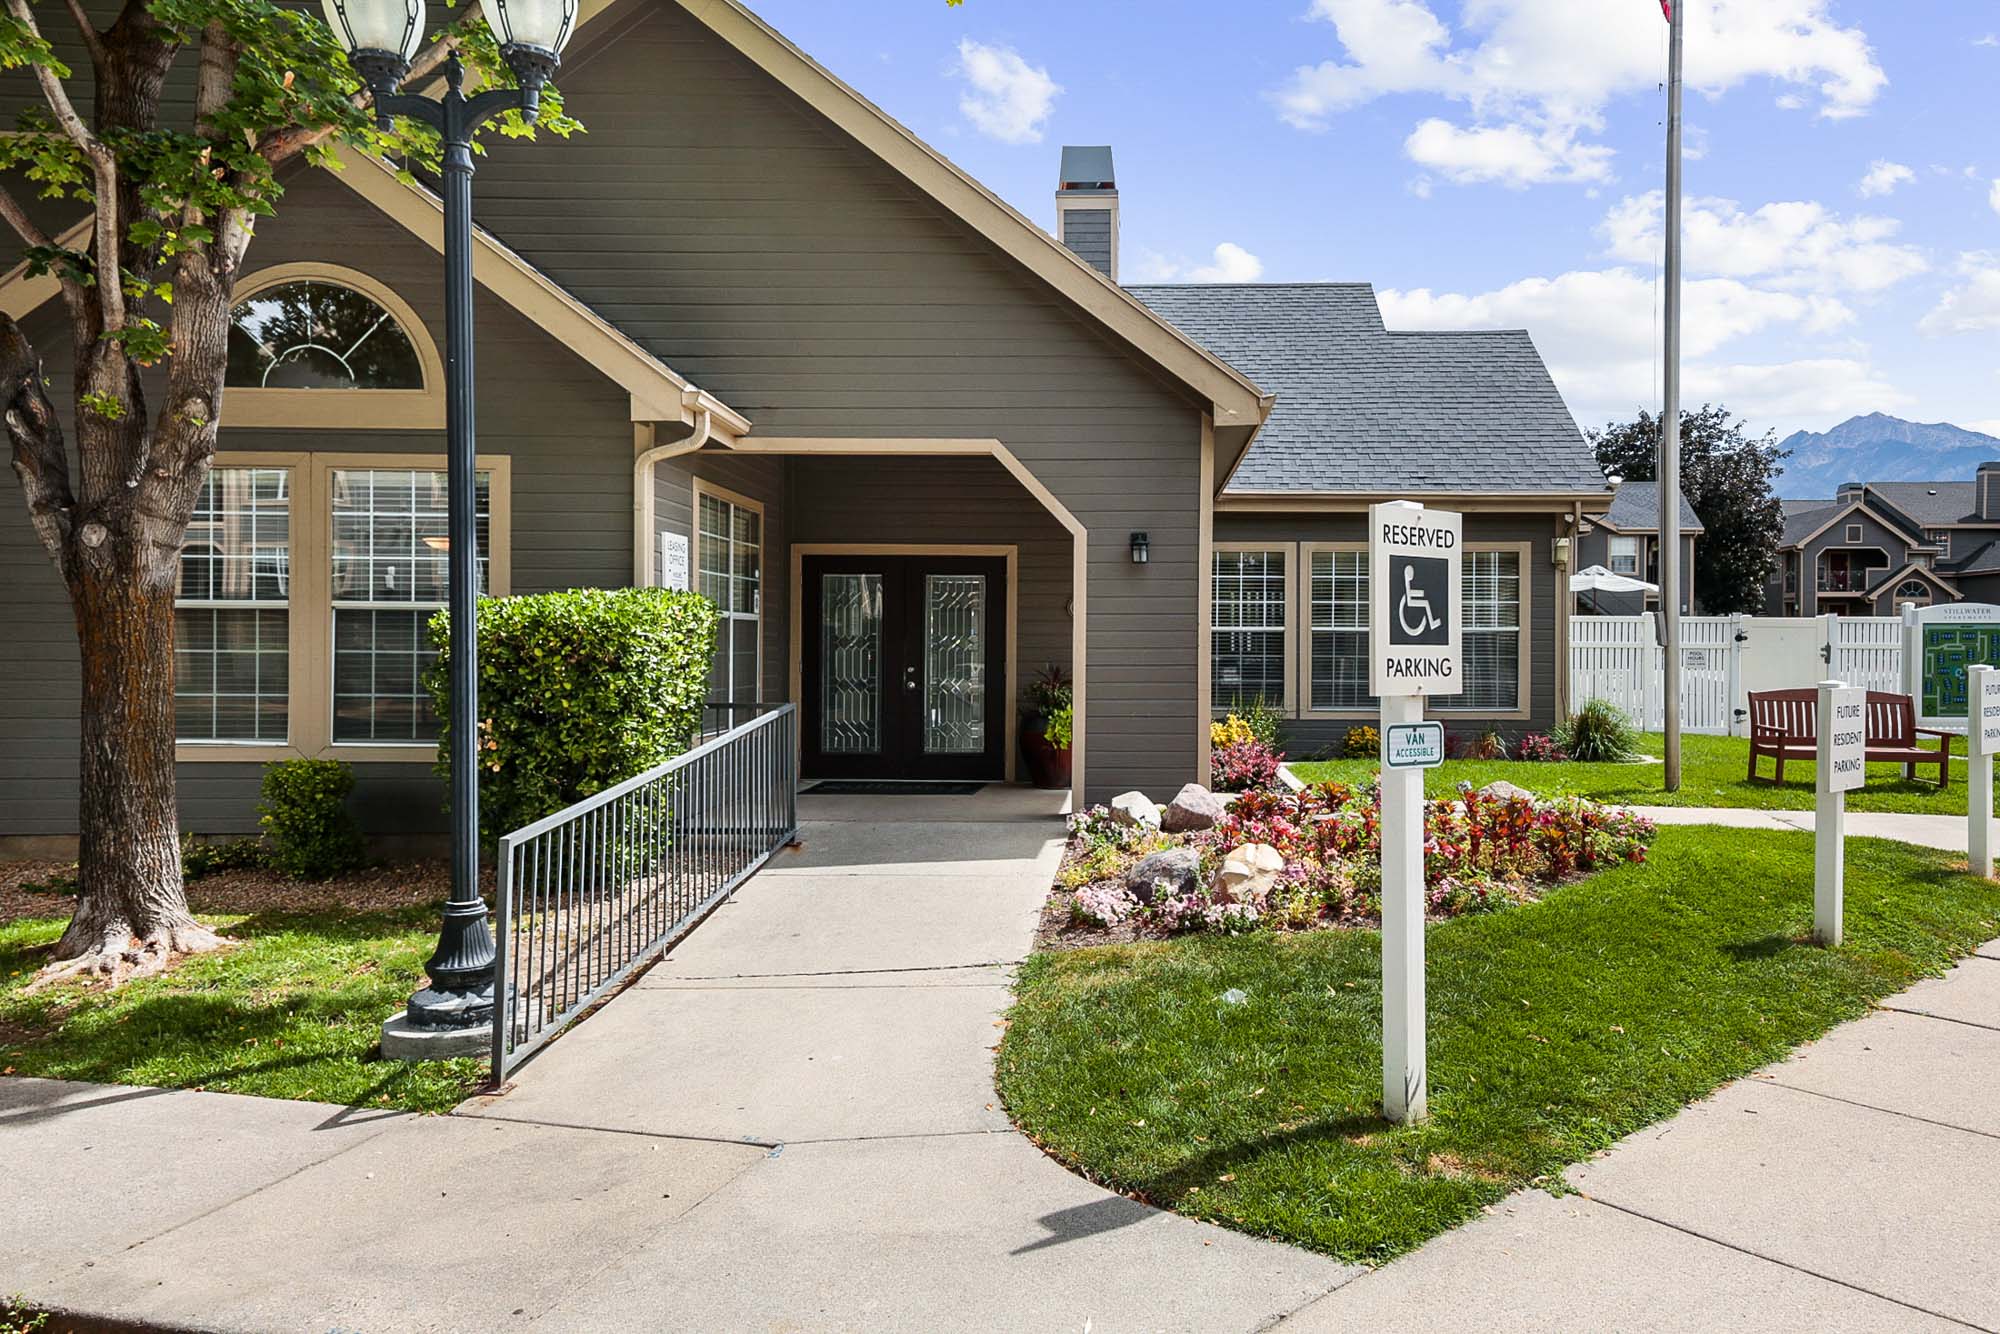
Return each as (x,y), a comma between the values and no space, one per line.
(902,592)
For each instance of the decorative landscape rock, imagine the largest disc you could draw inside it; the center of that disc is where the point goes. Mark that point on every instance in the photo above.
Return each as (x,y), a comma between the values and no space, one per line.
(1248,871)
(1135,810)
(1502,790)
(1180,868)
(1193,808)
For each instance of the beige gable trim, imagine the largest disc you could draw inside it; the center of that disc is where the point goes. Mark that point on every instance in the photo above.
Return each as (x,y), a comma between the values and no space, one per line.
(20,294)
(658,394)
(1839,515)
(1236,400)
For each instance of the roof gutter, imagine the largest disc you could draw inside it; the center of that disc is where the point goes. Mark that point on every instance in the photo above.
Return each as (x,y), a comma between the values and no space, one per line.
(643,572)
(1589,502)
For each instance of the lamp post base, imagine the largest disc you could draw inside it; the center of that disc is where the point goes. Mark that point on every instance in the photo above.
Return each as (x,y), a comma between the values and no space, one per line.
(403,1040)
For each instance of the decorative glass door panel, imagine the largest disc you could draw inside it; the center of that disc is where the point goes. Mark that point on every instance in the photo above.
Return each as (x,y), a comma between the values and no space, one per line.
(904,666)
(954,664)
(850,704)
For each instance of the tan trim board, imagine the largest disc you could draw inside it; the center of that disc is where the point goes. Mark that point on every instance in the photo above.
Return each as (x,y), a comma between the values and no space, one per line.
(1840,516)
(1079,544)
(1204,656)
(1559,502)
(1009,551)
(310,646)
(21,294)
(1235,398)
(342,409)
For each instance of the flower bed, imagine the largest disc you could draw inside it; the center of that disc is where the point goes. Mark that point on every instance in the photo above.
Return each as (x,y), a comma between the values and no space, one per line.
(1310,860)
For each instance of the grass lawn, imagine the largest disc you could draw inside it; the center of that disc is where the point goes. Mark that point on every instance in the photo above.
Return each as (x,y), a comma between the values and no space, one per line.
(1554,1030)
(294,1011)
(1712,774)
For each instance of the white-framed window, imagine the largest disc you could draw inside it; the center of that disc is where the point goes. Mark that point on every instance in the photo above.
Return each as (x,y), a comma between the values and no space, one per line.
(1495,598)
(307,581)
(1853,533)
(729,560)
(1248,616)
(232,614)
(389,574)
(1338,597)
(1624,554)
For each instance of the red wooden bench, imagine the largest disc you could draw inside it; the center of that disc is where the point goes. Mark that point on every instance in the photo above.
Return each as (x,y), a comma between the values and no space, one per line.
(1784,724)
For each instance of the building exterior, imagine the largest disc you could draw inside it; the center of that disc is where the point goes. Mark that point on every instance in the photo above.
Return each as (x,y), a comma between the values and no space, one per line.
(1878,545)
(749,335)
(1626,540)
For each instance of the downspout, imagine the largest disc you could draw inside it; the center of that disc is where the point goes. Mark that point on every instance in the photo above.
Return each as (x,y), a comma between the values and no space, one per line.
(643,574)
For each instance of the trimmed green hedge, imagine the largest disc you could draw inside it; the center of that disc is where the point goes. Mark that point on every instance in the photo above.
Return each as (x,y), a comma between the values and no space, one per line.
(578,691)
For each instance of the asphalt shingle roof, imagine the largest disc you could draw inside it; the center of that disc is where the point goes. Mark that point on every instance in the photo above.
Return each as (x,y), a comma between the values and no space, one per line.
(1802,517)
(1932,503)
(1361,408)
(1636,509)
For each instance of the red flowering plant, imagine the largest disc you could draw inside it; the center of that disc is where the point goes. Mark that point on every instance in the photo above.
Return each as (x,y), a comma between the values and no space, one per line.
(1244,766)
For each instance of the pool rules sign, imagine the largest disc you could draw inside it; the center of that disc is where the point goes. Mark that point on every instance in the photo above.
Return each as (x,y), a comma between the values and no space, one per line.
(1415,630)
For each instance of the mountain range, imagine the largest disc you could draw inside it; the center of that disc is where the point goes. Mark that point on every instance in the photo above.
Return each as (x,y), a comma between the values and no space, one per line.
(1881,448)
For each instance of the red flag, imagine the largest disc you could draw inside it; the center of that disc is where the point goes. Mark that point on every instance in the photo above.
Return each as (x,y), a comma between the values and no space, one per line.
(1667,8)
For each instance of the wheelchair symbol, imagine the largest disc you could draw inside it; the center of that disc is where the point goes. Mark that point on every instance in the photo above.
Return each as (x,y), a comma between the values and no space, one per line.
(1415,601)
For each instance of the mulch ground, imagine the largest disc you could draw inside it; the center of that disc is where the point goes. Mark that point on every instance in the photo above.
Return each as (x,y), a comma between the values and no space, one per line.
(24,892)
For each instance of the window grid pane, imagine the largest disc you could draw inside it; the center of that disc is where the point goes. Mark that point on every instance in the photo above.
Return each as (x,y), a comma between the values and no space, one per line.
(1491,582)
(1492,634)
(731,576)
(232,623)
(390,555)
(1247,629)
(1340,631)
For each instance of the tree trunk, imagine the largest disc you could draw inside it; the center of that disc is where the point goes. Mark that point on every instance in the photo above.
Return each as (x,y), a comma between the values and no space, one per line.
(132,915)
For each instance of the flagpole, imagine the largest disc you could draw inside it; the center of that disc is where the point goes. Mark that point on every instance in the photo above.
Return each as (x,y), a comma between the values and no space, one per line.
(1669,469)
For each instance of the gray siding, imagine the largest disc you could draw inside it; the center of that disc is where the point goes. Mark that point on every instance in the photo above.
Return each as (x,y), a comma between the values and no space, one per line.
(1087,231)
(566,428)
(762,480)
(751,245)
(1873,534)
(1306,737)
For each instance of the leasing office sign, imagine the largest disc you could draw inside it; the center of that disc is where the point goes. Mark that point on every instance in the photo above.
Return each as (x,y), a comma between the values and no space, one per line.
(1415,563)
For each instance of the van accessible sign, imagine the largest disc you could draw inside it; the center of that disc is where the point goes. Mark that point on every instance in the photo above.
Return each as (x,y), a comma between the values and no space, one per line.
(1415,557)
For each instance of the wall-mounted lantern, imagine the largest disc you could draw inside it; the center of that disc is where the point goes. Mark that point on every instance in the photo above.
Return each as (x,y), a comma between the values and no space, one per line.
(1142,549)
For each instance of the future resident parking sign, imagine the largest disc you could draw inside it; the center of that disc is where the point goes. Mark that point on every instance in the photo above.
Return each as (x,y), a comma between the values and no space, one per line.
(1415,559)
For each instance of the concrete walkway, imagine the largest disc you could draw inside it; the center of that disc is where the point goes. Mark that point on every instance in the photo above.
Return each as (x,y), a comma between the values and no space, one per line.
(1931,831)
(791,1124)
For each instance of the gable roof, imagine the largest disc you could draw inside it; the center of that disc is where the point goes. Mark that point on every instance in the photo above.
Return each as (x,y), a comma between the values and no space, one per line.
(1931,504)
(1913,570)
(1365,410)
(1234,399)
(1803,518)
(1636,509)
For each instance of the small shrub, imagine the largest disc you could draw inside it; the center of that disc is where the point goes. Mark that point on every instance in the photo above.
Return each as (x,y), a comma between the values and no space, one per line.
(1231,731)
(1487,745)
(1049,691)
(1541,748)
(1362,743)
(1101,905)
(304,813)
(1246,766)
(1058,728)
(199,859)
(578,691)
(1598,733)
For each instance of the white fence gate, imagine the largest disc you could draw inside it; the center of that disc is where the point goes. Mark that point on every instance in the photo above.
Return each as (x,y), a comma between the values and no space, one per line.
(1618,659)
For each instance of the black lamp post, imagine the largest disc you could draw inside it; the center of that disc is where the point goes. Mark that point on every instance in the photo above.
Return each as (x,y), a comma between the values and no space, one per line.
(380,37)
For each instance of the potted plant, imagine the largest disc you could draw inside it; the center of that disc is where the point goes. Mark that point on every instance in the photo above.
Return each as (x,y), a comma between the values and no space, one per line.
(1047,727)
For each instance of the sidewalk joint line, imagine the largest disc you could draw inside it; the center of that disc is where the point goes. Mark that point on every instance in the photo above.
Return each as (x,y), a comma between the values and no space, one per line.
(471,1117)
(1775,1082)
(1772,1259)
(907,1134)
(1941,1018)
(852,972)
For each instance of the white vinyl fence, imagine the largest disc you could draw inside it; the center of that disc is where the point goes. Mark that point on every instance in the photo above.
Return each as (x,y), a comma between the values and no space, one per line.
(1618,659)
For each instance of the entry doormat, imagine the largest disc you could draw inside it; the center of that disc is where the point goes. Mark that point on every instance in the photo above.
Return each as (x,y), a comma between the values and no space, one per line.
(888,787)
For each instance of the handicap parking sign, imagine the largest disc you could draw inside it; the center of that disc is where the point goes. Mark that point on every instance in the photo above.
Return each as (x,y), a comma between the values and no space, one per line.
(1414,569)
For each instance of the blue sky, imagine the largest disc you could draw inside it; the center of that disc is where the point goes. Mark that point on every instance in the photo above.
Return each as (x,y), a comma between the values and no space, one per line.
(1494,162)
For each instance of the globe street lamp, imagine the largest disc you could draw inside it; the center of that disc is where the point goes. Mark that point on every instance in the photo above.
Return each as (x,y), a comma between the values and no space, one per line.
(450,1016)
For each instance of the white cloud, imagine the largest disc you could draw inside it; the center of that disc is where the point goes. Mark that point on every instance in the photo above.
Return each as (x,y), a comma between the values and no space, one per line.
(1231,263)
(1993,198)
(1990,39)
(1600,331)
(1542,71)
(1796,245)
(1512,155)
(1005,97)
(1883,177)
(1974,305)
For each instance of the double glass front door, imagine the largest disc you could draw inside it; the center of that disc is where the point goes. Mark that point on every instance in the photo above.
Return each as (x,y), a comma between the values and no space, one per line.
(905,666)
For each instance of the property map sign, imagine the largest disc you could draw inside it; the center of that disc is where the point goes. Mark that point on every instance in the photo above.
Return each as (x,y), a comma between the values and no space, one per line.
(1843,740)
(1415,558)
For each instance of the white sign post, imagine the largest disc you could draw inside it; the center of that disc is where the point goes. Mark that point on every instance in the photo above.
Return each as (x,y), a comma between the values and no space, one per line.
(1982,742)
(1843,767)
(1414,635)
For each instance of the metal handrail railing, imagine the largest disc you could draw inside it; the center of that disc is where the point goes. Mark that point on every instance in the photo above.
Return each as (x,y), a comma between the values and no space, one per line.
(588,896)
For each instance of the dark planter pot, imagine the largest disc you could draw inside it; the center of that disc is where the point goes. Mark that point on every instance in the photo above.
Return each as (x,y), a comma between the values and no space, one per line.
(1048,768)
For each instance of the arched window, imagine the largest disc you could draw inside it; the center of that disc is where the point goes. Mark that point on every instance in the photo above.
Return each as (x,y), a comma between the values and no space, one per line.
(319,345)
(318,335)
(1913,588)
